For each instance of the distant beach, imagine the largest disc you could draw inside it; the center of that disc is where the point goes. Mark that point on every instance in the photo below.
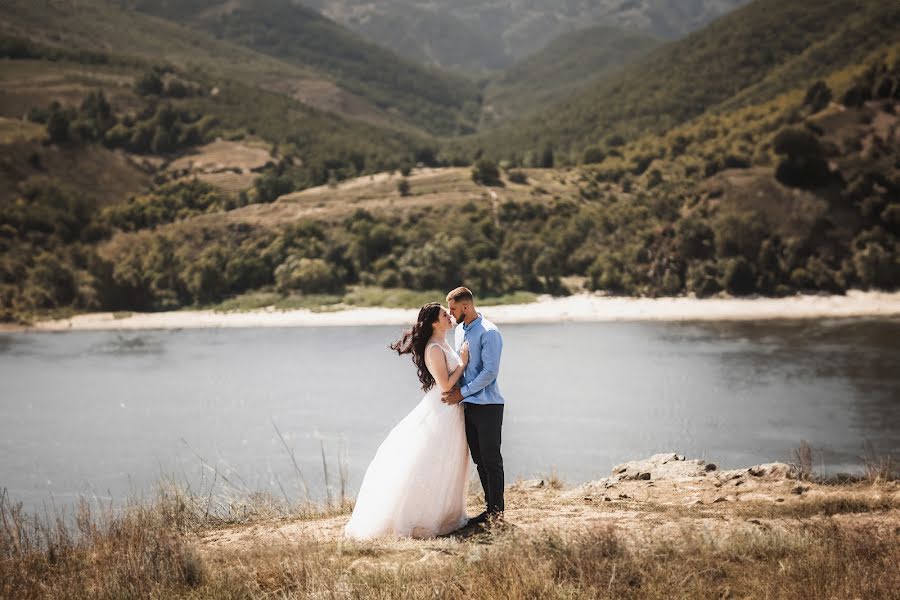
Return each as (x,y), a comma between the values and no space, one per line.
(583,307)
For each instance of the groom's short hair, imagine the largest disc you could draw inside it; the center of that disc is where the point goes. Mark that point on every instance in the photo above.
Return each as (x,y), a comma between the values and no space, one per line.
(461,294)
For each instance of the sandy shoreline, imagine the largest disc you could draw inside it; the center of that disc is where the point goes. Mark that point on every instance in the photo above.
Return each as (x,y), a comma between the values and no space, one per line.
(577,308)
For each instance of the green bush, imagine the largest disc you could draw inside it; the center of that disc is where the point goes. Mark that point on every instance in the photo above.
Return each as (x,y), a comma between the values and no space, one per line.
(818,95)
(875,266)
(307,275)
(738,276)
(485,172)
(149,84)
(593,154)
(703,279)
(517,176)
(805,164)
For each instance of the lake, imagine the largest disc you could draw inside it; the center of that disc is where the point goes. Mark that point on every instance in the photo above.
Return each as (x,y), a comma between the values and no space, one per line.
(107,414)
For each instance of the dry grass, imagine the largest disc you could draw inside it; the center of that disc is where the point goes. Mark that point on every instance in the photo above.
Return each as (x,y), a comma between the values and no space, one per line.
(156,549)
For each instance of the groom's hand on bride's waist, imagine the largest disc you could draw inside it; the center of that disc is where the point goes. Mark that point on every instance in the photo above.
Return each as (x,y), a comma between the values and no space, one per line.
(452,397)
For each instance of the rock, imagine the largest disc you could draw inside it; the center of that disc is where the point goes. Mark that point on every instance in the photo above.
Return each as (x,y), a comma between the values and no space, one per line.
(661,467)
(773,471)
(720,499)
(532,484)
(607,499)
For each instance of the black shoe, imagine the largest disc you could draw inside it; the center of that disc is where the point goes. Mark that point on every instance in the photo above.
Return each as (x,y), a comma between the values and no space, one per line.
(495,522)
(479,519)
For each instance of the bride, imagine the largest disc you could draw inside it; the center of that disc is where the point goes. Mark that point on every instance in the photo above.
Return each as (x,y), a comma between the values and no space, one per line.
(416,484)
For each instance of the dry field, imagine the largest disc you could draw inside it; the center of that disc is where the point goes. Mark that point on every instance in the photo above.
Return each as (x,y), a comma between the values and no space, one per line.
(378,193)
(661,528)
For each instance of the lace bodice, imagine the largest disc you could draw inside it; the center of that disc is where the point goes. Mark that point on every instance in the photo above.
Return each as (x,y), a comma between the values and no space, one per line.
(453,359)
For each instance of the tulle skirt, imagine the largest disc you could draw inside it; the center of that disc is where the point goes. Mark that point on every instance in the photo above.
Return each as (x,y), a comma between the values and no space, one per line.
(416,484)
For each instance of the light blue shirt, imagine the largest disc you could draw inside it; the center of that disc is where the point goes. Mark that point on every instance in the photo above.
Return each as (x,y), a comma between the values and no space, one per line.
(478,383)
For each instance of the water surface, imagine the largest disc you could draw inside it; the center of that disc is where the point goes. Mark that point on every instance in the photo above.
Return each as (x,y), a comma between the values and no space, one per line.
(106,414)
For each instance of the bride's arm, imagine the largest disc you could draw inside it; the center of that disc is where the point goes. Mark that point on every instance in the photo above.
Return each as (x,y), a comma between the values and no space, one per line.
(437,365)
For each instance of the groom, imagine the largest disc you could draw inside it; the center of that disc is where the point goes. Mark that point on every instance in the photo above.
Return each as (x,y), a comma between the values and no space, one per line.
(478,391)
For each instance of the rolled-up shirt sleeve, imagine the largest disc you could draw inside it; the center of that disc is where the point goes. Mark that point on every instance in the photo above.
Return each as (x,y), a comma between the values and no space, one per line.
(491,347)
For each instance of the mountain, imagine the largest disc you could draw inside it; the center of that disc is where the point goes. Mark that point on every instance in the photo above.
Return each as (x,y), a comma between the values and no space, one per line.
(431,100)
(57,56)
(565,66)
(494,34)
(746,57)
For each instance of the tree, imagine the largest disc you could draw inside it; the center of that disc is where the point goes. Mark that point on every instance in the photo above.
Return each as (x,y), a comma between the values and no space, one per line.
(738,277)
(818,96)
(436,264)
(593,154)
(485,172)
(58,126)
(150,84)
(805,165)
(547,159)
(308,275)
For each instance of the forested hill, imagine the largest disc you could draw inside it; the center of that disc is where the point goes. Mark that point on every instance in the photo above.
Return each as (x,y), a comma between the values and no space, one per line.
(269,44)
(746,57)
(564,67)
(493,34)
(147,165)
(434,101)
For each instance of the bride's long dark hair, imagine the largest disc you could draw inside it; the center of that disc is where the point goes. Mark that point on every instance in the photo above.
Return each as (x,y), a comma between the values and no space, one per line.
(414,340)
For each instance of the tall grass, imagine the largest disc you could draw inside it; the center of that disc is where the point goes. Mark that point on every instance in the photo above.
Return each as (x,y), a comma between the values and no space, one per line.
(151,551)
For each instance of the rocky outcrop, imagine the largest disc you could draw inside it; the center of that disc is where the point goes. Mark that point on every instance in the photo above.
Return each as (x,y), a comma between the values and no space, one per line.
(675,467)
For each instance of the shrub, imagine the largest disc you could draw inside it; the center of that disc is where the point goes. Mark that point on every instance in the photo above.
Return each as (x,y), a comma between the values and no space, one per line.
(876,267)
(805,165)
(671,283)
(403,187)
(606,274)
(58,126)
(593,154)
(517,176)
(694,238)
(703,279)
(149,84)
(307,275)
(738,234)
(738,277)
(485,172)
(270,186)
(817,96)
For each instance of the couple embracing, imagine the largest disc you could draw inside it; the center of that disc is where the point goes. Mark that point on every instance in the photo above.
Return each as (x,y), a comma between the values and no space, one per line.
(416,484)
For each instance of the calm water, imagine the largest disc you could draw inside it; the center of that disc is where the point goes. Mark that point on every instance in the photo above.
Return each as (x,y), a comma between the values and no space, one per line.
(106,414)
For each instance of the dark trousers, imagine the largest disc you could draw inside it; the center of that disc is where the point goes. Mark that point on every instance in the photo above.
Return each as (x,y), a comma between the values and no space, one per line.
(483,425)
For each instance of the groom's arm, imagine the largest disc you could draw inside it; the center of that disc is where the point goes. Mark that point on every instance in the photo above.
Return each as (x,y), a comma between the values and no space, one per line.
(491,346)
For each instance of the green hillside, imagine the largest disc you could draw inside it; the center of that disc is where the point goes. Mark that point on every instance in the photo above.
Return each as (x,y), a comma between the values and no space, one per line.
(746,57)
(434,101)
(384,94)
(431,34)
(758,156)
(493,34)
(565,66)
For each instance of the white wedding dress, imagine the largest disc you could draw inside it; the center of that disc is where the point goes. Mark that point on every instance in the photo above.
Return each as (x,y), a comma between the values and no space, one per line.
(416,484)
